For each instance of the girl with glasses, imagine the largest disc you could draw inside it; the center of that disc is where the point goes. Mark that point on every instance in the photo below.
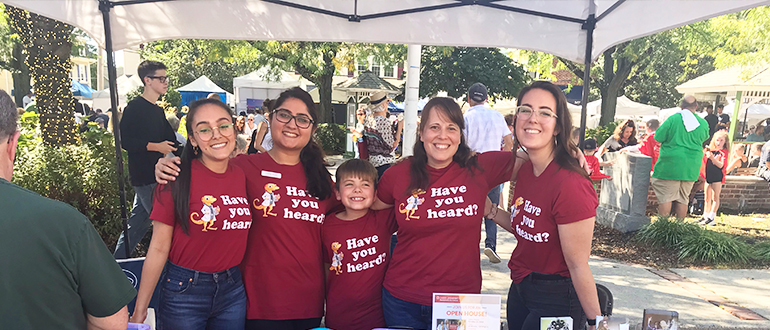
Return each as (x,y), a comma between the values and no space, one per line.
(554,207)
(200,228)
(289,191)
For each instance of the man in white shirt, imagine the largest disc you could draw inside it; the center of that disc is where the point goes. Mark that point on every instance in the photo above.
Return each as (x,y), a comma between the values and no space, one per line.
(486,130)
(27,99)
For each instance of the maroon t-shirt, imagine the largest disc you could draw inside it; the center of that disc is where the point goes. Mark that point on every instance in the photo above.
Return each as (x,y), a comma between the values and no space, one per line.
(358,252)
(438,229)
(283,266)
(557,197)
(218,220)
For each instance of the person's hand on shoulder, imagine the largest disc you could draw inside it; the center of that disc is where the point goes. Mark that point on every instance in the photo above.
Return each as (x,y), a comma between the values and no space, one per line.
(166,170)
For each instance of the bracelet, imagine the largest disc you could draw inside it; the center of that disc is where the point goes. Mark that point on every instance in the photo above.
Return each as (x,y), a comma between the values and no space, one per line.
(592,322)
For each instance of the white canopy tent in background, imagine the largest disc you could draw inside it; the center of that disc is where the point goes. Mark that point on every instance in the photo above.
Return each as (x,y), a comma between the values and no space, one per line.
(756,114)
(259,85)
(125,85)
(625,109)
(740,86)
(573,29)
(200,88)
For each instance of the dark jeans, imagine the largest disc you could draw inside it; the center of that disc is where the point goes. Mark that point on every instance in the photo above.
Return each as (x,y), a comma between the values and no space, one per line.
(139,221)
(543,295)
(191,299)
(300,324)
(399,313)
(489,225)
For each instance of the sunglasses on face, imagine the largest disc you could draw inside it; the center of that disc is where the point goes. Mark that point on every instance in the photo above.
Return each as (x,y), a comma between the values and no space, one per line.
(285,116)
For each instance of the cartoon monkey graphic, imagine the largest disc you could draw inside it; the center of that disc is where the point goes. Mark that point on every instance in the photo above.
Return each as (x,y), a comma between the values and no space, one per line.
(411,204)
(209,213)
(268,200)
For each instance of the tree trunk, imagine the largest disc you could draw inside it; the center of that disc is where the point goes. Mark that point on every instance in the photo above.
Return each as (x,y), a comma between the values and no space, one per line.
(20,74)
(48,48)
(325,108)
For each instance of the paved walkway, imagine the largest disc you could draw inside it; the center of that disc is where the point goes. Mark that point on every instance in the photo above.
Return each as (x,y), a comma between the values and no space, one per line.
(635,288)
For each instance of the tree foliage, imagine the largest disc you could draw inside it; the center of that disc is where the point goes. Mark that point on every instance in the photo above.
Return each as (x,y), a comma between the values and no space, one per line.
(454,69)
(188,59)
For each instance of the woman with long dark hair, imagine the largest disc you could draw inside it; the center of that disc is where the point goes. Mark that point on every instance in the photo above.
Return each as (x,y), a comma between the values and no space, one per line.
(439,197)
(289,191)
(200,227)
(554,207)
(623,136)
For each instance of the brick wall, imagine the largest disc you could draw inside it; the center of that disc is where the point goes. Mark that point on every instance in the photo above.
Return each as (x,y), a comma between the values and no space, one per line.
(740,194)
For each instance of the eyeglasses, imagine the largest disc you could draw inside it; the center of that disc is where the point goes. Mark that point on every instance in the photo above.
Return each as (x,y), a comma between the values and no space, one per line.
(162,79)
(207,133)
(360,114)
(285,116)
(525,112)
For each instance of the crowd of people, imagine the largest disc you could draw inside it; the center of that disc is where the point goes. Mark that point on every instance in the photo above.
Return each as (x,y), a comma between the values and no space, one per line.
(250,230)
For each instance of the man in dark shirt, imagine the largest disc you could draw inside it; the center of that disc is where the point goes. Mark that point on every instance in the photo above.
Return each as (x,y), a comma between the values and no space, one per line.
(56,271)
(146,136)
(712,119)
(724,119)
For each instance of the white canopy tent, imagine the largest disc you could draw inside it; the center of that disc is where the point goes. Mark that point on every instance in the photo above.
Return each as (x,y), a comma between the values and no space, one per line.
(260,85)
(199,88)
(625,109)
(125,85)
(573,29)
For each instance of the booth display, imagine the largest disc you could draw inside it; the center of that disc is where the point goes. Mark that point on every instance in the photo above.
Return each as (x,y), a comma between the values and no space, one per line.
(252,89)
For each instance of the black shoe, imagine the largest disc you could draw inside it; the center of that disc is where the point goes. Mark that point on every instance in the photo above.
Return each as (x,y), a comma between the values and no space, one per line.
(493,257)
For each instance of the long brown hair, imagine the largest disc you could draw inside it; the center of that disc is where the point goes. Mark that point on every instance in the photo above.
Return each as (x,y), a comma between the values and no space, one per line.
(465,157)
(618,133)
(319,180)
(564,149)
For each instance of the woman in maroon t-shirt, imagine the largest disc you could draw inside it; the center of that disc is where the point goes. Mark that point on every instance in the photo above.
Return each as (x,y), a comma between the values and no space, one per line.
(200,227)
(288,189)
(554,206)
(439,198)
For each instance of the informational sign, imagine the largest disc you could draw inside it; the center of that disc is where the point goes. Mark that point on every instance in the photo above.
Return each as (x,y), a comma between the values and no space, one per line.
(453,311)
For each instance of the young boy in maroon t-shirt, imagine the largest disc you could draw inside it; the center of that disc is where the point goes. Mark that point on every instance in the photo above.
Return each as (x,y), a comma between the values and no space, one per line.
(356,245)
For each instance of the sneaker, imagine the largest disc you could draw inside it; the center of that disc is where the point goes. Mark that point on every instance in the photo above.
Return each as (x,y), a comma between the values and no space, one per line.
(708,222)
(493,257)
(701,221)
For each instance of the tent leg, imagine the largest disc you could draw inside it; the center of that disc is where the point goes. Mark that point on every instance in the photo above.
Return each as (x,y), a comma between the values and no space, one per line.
(411,98)
(105,6)
(589,27)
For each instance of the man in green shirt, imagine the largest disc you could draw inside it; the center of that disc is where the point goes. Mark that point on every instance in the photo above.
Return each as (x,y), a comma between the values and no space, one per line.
(681,139)
(55,271)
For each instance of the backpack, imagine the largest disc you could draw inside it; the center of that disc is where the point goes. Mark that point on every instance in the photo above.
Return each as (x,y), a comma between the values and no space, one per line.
(375,145)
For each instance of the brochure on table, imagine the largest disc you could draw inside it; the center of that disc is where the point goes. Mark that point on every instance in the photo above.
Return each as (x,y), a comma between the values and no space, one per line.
(452,311)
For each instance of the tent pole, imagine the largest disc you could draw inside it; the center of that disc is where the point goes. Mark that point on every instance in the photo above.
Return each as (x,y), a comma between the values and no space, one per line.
(411,98)
(105,6)
(589,27)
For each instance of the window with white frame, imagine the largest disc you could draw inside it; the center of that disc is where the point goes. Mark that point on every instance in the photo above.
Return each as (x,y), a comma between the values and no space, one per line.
(376,68)
(388,71)
(362,66)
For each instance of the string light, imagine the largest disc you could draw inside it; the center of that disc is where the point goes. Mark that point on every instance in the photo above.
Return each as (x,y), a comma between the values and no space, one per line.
(48,47)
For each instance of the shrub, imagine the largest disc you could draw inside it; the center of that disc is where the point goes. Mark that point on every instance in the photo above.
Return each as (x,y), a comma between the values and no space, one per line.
(666,233)
(713,247)
(83,176)
(762,251)
(332,138)
(601,133)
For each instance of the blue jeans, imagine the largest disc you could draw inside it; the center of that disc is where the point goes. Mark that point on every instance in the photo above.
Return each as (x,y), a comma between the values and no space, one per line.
(400,313)
(139,221)
(543,295)
(489,225)
(191,299)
